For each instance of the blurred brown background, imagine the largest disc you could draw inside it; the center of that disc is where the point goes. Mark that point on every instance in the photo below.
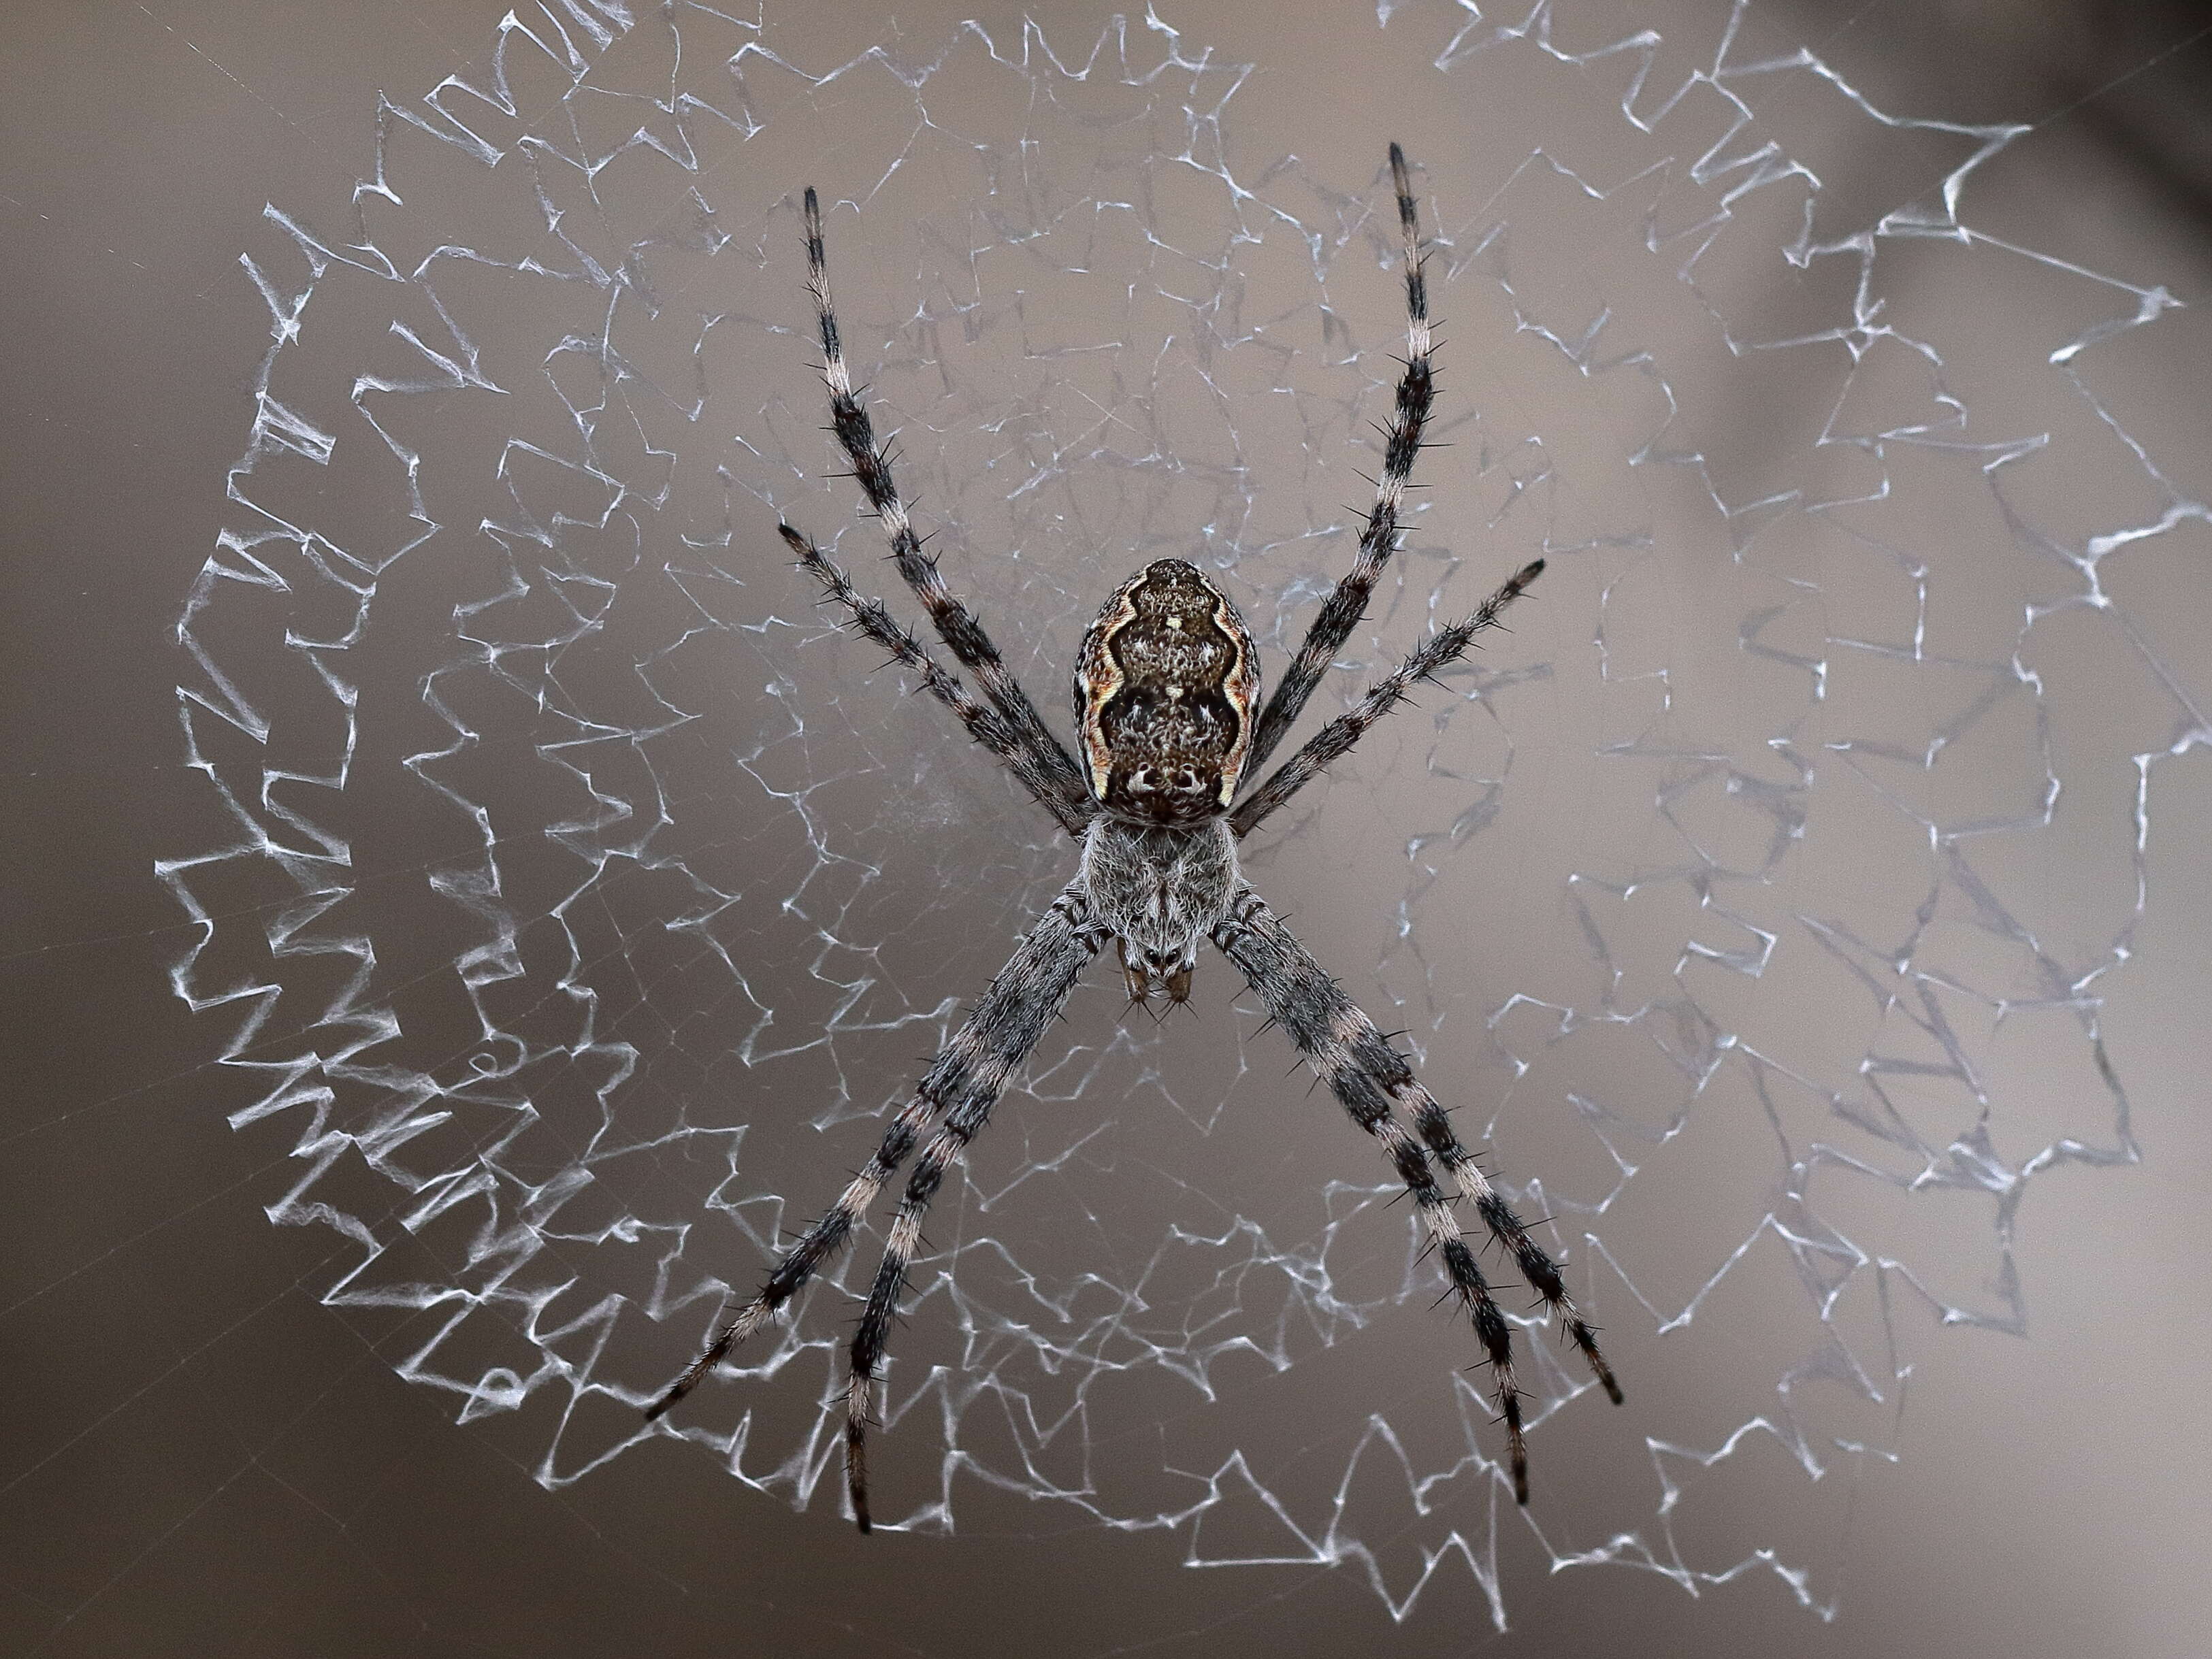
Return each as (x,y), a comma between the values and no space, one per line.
(202,1456)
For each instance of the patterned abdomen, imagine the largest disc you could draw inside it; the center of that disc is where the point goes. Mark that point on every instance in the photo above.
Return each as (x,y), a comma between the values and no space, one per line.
(1164,689)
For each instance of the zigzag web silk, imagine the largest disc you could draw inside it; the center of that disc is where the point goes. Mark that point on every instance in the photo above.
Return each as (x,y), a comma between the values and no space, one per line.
(587,886)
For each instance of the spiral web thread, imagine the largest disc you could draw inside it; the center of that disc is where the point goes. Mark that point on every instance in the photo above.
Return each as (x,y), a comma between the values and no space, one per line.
(583,874)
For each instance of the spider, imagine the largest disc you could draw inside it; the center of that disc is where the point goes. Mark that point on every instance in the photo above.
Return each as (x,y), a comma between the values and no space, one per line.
(1167,701)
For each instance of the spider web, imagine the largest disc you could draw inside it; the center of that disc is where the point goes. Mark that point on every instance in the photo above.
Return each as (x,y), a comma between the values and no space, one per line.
(592,898)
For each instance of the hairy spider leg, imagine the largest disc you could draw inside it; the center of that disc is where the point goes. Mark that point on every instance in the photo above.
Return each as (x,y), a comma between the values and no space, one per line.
(870,618)
(1347,602)
(1024,999)
(1330,743)
(1319,1025)
(990,1043)
(955,623)
(1374,1055)
(1368,1076)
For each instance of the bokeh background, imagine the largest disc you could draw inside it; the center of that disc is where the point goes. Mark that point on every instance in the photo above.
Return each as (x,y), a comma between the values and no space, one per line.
(443,827)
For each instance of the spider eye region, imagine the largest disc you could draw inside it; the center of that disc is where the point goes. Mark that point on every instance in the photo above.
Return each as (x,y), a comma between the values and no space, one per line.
(1165,689)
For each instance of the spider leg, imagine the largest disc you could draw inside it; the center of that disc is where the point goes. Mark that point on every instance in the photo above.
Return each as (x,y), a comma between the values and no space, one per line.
(1024,998)
(1368,1075)
(1325,1024)
(986,726)
(1374,1055)
(1347,602)
(1348,1026)
(1329,744)
(990,1043)
(955,624)
(1389,1066)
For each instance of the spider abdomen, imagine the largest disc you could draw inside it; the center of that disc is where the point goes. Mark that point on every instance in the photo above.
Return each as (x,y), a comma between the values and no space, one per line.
(1164,688)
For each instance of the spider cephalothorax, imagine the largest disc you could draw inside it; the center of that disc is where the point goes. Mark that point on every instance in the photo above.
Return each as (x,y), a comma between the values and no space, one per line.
(1167,697)
(1158,890)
